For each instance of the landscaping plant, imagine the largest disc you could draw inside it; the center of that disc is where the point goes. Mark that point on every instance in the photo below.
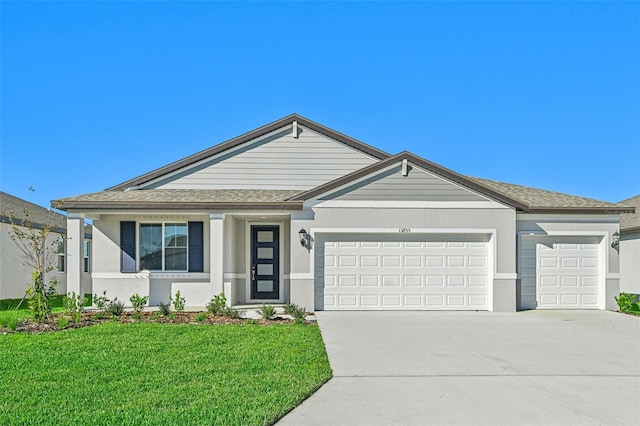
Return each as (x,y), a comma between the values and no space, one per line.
(165,308)
(178,302)
(297,312)
(9,319)
(115,307)
(138,302)
(266,311)
(625,302)
(38,251)
(229,312)
(217,304)
(73,305)
(101,302)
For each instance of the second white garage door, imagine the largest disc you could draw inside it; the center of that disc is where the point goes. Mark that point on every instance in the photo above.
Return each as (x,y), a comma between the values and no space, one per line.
(398,272)
(560,273)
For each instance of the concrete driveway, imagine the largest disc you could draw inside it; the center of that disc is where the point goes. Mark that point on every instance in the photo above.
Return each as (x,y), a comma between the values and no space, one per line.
(473,368)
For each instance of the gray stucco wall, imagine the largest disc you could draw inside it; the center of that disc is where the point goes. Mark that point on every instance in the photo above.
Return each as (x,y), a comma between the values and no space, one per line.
(630,263)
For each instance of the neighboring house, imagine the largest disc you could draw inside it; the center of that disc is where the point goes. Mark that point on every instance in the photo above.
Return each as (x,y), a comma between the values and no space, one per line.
(15,275)
(630,248)
(297,212)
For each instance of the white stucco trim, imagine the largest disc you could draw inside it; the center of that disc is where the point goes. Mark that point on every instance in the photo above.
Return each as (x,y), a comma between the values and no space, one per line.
(234,275)
(504,276)
(281,278)
(216,252)
(148,274)
(402,231)
(301,276)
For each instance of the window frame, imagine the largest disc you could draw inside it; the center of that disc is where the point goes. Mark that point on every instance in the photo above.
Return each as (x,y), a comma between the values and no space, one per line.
(86,256)
(61,254)
(163,224)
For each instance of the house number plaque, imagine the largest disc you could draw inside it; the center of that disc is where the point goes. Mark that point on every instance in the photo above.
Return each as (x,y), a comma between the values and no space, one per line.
(404,230)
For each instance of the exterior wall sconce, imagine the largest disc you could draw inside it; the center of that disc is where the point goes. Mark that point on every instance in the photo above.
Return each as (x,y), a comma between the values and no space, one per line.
(303,237)
(616,240)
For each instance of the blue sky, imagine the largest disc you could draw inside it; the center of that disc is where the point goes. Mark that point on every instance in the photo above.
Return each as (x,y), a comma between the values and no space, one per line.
(541,94)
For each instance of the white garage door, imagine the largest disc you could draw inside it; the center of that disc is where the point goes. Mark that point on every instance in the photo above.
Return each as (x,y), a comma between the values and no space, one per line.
(374,272)
(560,273)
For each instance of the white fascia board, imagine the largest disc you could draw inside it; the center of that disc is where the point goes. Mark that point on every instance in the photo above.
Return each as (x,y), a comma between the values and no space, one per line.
(387,204)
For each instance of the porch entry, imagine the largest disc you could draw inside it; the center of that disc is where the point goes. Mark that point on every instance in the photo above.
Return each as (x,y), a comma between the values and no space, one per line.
(265,262)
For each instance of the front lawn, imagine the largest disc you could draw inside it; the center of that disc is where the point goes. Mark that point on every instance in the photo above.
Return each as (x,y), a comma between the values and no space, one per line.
(148,373)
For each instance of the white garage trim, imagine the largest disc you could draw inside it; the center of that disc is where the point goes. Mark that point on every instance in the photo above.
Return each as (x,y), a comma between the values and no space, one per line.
(471,288)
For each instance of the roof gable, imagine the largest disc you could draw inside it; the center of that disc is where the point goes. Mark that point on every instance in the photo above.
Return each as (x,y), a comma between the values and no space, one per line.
(445,177)
(269,132)
(403,183)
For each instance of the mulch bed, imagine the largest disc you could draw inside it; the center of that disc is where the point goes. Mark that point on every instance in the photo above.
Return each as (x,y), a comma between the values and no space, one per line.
(88,319)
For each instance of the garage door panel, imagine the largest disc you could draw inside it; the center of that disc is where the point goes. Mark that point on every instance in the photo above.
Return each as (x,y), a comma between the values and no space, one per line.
(560,272)
(407,272)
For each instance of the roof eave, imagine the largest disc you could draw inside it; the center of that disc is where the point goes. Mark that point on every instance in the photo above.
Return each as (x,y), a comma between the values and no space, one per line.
(632,230)
(271,205)
(609,210)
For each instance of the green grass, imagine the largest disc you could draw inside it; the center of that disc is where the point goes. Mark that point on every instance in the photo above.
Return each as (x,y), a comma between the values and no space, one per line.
(128,374)
(23,311)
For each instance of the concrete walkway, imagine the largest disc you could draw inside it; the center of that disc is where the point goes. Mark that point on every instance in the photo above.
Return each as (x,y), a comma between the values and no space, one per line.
(477,368)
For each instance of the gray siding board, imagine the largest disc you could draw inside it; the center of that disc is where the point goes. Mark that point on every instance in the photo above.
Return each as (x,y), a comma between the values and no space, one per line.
(419,185)
(275,162)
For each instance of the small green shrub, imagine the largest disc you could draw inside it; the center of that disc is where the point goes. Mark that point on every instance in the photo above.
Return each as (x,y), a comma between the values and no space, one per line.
(156,315)
(625,302)
(252,321)
(115,307)
(178,302)
(201,316)
(9,319)
(266,311)
(229,312)
(297,312)
(63,322)
(217,304)
(40,295)
(73,305)
(138,302)
(165,308)
(101,302)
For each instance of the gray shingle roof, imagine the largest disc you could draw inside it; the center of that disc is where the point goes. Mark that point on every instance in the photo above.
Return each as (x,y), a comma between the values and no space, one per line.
(179,198)
(15,207)
(541,199)
(630,222)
